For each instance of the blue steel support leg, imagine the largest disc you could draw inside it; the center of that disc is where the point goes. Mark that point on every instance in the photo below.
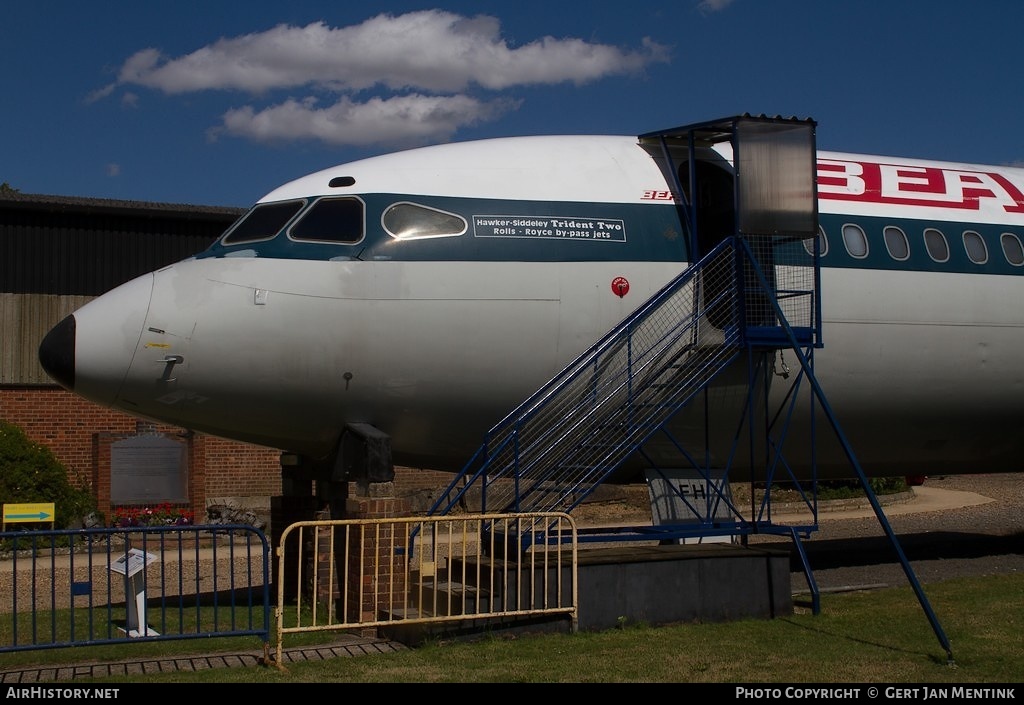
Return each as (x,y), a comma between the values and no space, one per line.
(890,534)
(841,437)
(812,584)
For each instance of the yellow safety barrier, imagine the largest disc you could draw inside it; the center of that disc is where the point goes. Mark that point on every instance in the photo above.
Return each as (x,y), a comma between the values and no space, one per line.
(415,570)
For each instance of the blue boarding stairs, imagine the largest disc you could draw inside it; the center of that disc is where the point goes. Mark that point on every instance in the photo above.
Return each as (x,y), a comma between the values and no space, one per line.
(724,322)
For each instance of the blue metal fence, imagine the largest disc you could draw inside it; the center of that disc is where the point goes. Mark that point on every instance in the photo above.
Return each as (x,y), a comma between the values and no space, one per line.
(61,588)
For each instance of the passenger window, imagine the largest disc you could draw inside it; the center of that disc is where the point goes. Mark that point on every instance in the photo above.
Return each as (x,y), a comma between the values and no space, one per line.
(975,247)
(331,220)
(262,222)
(409,221)
(935,243)
(823,246)
(855,240)
(1012,249)
(896,243)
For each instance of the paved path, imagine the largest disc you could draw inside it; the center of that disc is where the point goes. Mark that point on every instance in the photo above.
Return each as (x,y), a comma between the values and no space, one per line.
(919,500)
(345,646)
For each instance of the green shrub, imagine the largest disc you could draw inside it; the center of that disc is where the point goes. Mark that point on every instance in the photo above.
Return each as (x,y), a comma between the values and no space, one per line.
(844,489)
(889,485)
(29,472)
(851,489)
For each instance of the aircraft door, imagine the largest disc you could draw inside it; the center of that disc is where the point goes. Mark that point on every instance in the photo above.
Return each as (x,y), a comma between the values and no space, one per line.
(716,219)
(713,203)
(714,210)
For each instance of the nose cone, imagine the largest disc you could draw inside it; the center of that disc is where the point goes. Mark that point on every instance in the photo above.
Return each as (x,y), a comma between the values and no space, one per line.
(57,353)
(90,352)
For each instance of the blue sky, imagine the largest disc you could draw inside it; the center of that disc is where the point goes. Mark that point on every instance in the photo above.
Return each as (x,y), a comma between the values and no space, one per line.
(216,103)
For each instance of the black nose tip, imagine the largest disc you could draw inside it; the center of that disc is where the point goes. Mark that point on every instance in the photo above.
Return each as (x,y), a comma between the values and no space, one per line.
(57,353)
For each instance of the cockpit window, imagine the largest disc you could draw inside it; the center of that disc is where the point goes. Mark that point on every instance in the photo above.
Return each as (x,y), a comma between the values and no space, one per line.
(262,222)
(331,220)
(409,221)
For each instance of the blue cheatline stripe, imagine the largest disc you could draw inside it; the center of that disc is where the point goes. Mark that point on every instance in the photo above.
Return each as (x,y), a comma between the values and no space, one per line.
(878,256)
(508,231)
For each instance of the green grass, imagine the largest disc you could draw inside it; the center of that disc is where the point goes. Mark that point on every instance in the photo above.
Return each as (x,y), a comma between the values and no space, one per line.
(879,636)
(189,626)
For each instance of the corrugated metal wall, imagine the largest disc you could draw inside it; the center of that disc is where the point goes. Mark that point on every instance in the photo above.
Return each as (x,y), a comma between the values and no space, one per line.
(55,255)
(24,320)
(61,253)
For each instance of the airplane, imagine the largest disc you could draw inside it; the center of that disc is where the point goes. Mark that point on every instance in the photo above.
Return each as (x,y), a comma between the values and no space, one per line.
(427,292)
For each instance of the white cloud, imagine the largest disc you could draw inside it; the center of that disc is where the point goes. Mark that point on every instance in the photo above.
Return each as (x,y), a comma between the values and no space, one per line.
(414,119)
(422,61)
(430,50)
(708,6)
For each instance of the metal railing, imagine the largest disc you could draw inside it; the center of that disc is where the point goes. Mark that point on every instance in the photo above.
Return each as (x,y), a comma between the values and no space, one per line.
(61,588)
(554,449)
(550,452)
(370,573)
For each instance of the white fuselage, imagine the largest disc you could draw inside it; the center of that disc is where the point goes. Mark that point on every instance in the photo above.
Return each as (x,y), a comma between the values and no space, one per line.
(922,368)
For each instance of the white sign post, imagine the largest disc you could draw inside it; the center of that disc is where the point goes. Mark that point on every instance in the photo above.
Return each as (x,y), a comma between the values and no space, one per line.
(132,566)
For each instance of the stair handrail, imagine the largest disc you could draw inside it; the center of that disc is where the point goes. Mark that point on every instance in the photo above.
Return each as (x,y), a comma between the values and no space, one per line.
(526,409)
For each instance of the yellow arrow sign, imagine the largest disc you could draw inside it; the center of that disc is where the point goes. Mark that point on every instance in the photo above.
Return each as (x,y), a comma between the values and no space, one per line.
(29,511)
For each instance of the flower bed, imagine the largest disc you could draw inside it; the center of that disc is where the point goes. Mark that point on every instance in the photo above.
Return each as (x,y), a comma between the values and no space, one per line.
(163,514)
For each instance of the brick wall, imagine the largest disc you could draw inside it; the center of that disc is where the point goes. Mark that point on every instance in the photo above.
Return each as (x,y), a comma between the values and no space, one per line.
(412,480)
(79,433)
(71,427)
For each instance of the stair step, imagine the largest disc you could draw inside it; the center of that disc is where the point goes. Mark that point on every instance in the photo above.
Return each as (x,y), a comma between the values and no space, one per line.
(680,354)
(450,598)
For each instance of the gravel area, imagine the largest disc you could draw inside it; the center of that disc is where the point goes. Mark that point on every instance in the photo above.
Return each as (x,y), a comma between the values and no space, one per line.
(983,539)
(43,582)
(848,552)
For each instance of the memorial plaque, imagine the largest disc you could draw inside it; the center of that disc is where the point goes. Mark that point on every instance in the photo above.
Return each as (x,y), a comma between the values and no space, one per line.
(148,469)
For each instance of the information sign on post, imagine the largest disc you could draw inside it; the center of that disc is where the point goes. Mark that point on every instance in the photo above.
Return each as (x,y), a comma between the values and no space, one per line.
(132,565)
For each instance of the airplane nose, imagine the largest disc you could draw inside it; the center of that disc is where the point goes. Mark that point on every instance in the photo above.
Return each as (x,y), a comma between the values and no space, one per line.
(90,352)
(57,353)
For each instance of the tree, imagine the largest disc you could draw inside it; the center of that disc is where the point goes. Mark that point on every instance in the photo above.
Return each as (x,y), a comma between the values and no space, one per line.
(29,472)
